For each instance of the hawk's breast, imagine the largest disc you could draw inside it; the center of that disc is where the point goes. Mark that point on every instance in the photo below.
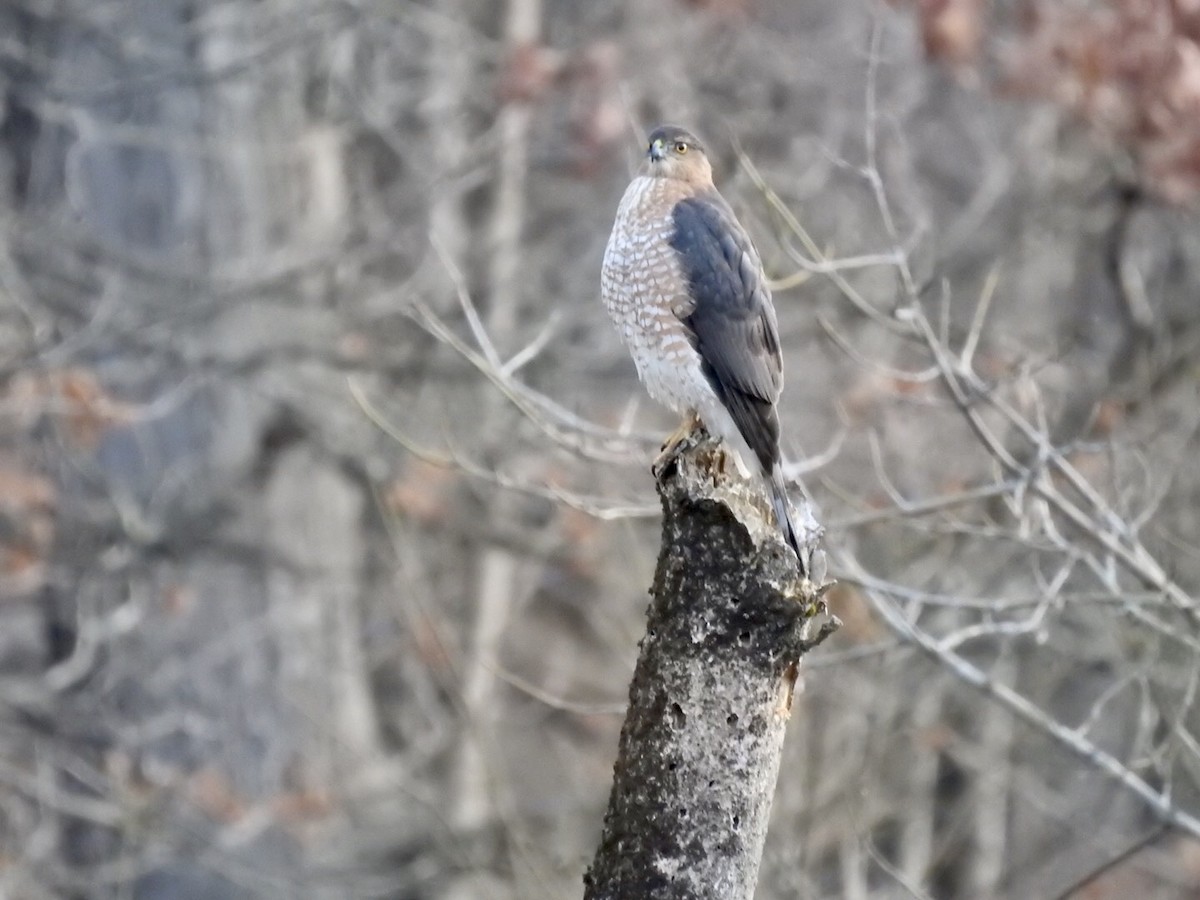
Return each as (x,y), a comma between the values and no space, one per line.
(646,294)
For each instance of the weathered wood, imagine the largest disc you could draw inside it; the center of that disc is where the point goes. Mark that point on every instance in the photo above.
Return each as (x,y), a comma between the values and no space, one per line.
(711,694)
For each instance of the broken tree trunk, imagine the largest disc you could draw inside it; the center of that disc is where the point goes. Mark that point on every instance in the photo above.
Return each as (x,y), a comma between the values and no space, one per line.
(700,748)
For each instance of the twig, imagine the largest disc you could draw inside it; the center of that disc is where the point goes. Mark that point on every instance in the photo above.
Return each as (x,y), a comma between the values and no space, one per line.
(598,507)
(1100,871)
(1028,712)
(554,701)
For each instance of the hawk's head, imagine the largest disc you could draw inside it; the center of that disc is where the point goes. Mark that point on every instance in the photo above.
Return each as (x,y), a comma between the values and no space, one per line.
(675,152)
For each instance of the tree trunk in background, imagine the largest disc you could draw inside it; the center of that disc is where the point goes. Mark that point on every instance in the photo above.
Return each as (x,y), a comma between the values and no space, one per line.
(498,572)
(498,567)
(710,698)
(169,185)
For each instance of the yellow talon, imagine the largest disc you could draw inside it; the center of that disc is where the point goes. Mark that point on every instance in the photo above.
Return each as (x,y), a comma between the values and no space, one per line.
(671,446)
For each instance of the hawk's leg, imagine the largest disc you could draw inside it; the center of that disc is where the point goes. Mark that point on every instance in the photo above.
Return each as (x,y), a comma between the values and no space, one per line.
(674,441)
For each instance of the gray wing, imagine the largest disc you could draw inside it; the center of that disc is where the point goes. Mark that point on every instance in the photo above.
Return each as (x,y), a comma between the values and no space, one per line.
(732,320)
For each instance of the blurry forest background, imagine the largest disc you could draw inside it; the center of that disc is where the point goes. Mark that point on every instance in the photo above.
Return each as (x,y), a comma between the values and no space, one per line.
(325,512)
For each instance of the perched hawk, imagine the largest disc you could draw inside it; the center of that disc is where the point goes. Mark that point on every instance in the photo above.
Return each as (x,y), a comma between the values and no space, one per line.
(686,289)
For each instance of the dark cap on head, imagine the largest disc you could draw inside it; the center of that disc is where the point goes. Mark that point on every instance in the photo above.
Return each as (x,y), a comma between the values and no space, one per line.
(669,134)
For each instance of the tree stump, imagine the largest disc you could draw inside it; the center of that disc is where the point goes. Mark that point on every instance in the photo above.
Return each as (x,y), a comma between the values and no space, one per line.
(729,621)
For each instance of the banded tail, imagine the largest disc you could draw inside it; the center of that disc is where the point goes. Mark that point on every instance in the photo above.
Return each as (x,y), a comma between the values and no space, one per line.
(783,513)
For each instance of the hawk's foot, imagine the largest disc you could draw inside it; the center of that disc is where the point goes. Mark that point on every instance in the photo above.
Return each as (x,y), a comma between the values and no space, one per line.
(674,443)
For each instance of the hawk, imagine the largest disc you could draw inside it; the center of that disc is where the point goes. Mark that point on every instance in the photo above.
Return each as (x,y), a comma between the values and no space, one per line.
(686,289)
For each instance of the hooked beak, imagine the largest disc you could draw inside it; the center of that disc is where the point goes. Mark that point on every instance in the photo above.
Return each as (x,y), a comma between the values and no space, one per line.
(656,151)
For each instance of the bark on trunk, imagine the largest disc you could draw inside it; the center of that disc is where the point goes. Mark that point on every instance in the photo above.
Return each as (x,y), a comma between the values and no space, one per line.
(700,748)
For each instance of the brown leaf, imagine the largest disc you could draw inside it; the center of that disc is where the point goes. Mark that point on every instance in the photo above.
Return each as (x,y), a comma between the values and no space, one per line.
(212,793)
(528,73)
(22,490)
(952,30)
(86,407)
(422,492)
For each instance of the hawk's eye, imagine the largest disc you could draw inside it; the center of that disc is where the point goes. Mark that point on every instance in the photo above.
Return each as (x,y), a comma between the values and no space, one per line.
(681,148)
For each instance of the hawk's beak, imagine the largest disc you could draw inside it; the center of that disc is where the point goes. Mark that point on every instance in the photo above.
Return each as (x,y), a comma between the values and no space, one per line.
(656,151)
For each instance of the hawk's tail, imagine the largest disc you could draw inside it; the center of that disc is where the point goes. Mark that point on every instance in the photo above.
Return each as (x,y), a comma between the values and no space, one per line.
(783,513)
